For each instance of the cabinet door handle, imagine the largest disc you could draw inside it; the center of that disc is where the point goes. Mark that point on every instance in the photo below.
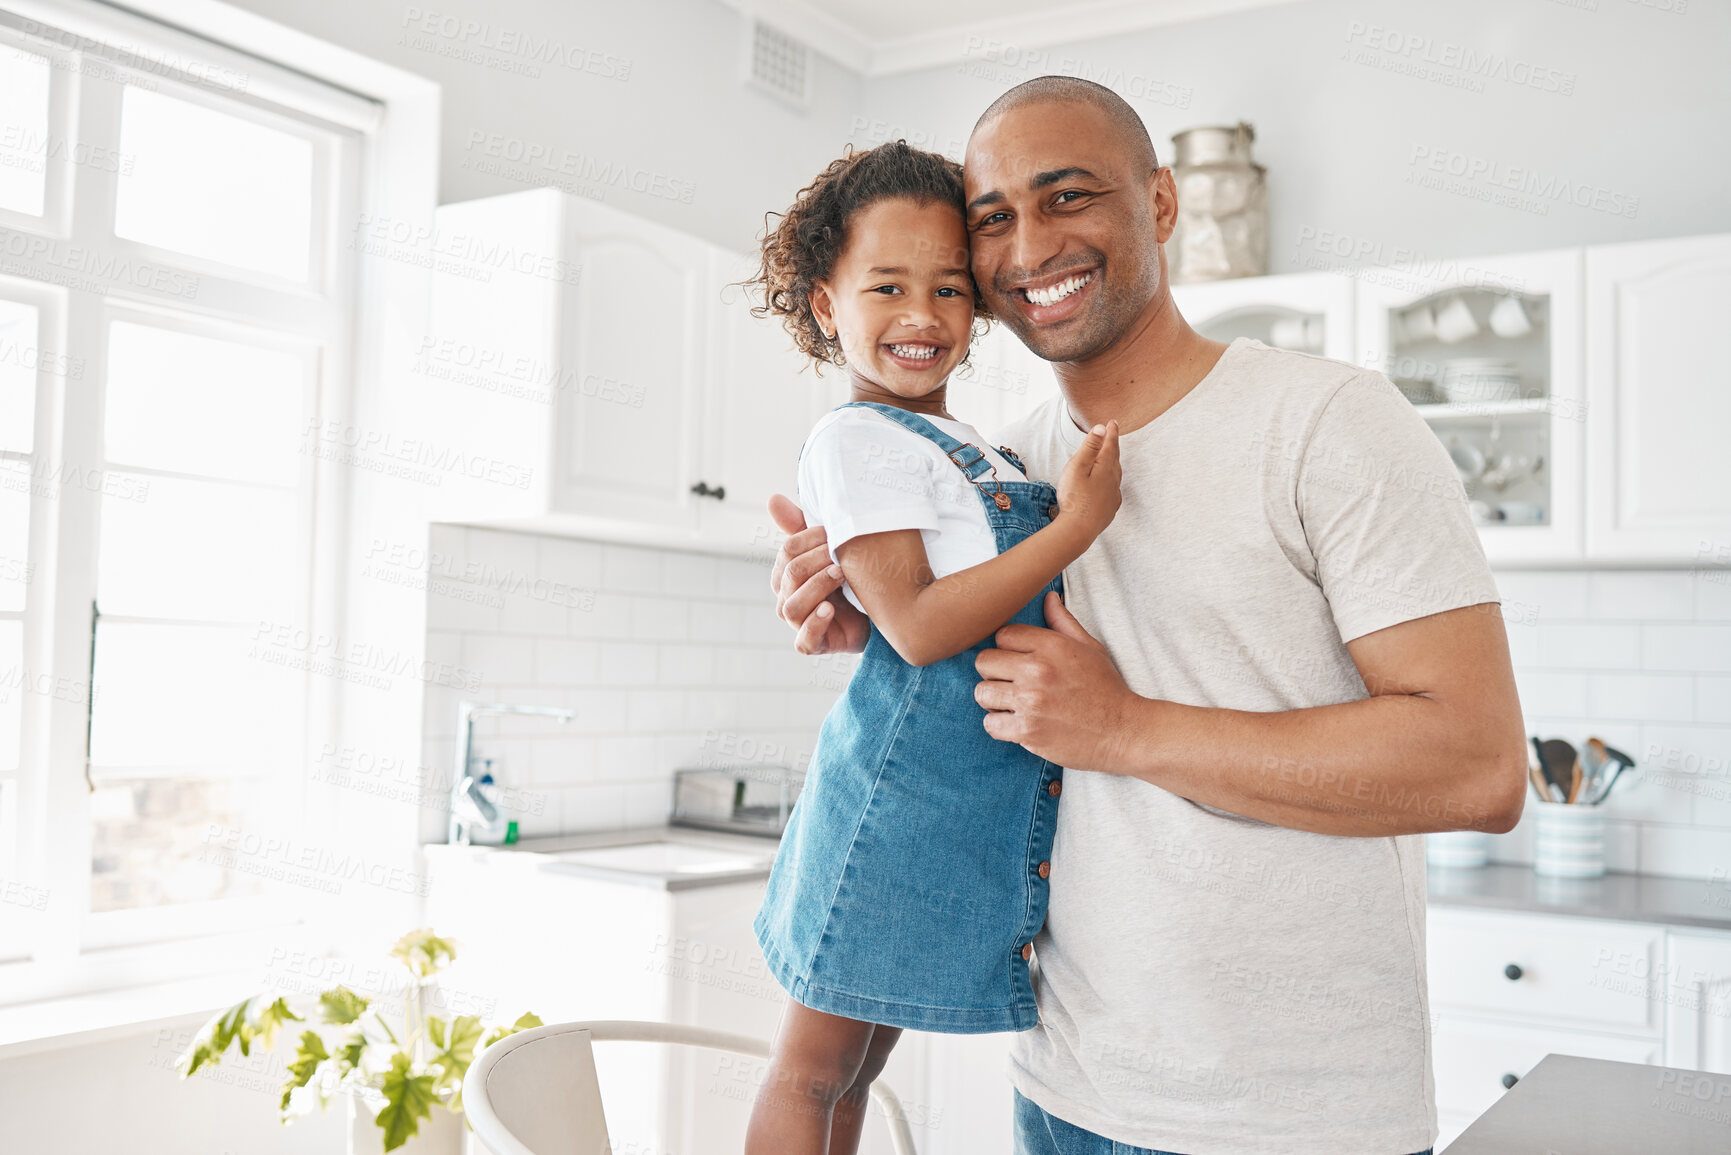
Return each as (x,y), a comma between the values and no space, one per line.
(1512,972)
(1510,1079)
(702,489)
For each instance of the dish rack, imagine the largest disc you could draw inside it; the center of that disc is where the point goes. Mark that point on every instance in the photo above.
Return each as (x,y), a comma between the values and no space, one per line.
(736,799)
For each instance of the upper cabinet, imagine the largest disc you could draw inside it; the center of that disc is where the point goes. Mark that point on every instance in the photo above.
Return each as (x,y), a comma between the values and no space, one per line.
(617,362)
(1659,400)
(1305,312)
(1489,352)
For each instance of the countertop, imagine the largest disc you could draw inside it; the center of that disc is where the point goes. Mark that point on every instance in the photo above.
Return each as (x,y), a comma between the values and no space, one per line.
(547,854)
(1575,1106)
(1623,897)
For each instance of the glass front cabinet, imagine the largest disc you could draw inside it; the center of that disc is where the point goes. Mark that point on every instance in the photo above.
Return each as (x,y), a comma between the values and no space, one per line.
(1489,353)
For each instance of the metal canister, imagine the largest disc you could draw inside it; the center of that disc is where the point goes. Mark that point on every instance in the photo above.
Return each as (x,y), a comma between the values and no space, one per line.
(1222,227)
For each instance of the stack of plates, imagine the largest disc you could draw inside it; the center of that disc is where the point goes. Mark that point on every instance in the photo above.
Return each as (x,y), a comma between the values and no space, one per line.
(1469,380)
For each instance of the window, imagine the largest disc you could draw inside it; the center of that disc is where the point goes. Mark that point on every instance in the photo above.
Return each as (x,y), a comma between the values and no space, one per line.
(174,312)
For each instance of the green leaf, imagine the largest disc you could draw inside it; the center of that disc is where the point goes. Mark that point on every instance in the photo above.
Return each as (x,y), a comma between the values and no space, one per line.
(270,1019)
(340,1005)
(211,1041)
(424,952)
(524,1021)
(453,1057)
(308,1056)
(408,1100)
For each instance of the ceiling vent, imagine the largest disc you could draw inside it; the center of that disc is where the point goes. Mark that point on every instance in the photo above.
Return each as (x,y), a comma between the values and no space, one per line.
(776,64)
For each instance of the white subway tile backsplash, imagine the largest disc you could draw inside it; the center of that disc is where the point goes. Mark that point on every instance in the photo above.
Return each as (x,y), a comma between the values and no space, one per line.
(676,659)
(499,658)
(628,663)
(1641,697)
(1551,693)
(1713,699)
(1713,594)
(631,569)
(658,619)
(1588,646)
(1640,595)
(1556,596)
(1705,648)
(1685,851)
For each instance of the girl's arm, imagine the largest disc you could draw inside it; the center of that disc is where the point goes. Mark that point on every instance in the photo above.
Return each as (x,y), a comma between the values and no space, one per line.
(928,619)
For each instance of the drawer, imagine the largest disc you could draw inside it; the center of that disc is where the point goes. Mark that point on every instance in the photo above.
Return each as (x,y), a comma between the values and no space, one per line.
(1576,972)
(1470,1059)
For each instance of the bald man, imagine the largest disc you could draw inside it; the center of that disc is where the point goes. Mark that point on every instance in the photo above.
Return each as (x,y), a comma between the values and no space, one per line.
(1280,665)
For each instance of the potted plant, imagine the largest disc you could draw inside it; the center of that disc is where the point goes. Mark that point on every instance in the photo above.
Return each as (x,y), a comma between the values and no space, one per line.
(397,1062)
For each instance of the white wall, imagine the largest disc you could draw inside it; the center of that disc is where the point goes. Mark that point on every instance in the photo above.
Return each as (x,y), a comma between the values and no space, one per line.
(1339,135)
(656,95)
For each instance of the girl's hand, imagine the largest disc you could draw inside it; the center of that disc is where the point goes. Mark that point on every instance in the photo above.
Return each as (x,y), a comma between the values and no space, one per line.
(1089,489)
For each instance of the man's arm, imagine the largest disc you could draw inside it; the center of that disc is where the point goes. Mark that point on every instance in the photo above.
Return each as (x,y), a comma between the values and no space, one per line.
(1438,745)
(807,587)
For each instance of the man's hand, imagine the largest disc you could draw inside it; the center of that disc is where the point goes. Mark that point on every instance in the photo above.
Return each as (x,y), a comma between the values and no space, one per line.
(1056,692)
(807,588)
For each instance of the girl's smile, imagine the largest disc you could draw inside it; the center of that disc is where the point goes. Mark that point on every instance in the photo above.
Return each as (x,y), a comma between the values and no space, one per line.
(900,301)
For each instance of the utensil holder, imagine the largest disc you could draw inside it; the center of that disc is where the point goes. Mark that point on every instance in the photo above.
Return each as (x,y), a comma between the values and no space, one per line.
(1457,849)
(1568,840)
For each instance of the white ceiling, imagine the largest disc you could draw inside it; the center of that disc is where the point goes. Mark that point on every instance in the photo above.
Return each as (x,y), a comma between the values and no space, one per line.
(879,37)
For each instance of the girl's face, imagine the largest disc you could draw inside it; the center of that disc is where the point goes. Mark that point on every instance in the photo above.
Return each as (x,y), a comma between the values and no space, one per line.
(900,297)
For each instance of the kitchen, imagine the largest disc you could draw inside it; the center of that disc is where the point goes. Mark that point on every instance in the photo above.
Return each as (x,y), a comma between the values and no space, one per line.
(473,470)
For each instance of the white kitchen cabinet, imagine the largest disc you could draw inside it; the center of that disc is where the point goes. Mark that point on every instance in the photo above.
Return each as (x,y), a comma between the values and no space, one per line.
(1489,350)
(1305,312)
(760,404)
(1697,996)
(1658,400)
(615,362)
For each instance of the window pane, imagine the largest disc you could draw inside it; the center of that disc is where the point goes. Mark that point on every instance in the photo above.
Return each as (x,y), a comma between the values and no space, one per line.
(16,571)
(195,696)
(15,682)
(199,549)
(195,404)
(161,840)
(212,185)
(23,130)
(20,354)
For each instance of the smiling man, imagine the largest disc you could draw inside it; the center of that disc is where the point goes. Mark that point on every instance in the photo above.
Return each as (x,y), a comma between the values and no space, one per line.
(1281,663)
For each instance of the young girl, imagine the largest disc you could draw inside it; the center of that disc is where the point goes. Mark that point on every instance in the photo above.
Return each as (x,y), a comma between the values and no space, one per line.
(911,878)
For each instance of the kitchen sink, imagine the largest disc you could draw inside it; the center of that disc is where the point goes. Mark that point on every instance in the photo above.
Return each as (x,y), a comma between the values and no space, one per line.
(665,858)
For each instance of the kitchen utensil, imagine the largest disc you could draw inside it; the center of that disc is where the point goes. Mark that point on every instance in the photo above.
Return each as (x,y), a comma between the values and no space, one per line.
(1509,319)
(1574,781)
(1540,786)
(1454,321)
(1622,762)
(1558,759)
(1594,758)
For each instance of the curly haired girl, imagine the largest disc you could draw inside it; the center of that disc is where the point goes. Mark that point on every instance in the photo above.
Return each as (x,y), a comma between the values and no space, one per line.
(911,878)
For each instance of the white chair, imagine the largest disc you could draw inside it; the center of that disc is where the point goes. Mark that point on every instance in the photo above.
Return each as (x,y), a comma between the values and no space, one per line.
(536,1092)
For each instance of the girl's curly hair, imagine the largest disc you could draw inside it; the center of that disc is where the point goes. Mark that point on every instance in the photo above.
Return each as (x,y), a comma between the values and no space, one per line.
(803,246)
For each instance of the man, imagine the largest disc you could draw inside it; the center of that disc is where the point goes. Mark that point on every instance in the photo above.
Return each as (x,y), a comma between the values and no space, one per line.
(1280,663)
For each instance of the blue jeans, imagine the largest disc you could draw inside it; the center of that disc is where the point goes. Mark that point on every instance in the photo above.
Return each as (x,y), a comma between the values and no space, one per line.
(1039,1133)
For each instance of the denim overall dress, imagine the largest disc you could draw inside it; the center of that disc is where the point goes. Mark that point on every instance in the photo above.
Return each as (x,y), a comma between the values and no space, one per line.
(911,878)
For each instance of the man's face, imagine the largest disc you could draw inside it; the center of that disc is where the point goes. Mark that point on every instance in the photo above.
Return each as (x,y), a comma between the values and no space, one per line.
(1065,233)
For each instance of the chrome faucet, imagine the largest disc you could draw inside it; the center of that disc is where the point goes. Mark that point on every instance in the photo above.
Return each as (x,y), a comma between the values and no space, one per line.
(468,804)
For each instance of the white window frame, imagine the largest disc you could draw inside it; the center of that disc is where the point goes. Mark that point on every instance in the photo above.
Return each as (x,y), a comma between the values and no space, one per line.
(393,118)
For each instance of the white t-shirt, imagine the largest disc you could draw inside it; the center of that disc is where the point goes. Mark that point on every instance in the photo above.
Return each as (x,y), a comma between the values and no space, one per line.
(860,472)
(1209,983)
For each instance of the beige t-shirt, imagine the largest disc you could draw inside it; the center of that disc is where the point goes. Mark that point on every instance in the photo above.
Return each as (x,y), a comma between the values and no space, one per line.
(1212,984)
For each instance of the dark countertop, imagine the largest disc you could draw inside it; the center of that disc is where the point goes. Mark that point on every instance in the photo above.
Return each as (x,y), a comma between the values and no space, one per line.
(1625,897)
(1574,1106)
